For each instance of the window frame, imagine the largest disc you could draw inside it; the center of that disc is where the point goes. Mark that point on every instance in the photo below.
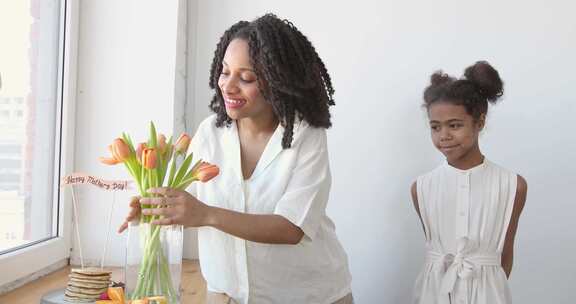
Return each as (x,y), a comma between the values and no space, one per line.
(27,262)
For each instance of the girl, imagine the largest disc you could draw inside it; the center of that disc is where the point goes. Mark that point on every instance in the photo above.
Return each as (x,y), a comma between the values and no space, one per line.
(469,207)
(264,236)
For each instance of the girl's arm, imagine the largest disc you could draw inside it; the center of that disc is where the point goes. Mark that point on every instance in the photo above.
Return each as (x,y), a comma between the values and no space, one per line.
(508,250)
(180,207)
(415,202)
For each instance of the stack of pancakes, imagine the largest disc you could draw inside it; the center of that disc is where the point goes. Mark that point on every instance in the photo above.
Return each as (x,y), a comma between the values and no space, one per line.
(86,285)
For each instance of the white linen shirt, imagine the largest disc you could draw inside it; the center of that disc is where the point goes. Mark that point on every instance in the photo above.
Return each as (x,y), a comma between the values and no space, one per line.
(294,183)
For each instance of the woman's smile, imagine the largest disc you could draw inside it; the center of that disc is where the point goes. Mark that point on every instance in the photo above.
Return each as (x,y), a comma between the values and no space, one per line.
(234,103)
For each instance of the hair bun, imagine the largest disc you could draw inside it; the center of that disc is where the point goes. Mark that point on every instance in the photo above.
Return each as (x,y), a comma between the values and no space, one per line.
(487,79)
(440,78)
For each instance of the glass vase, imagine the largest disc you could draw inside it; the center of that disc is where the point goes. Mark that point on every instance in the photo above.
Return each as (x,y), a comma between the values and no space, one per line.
(154,261)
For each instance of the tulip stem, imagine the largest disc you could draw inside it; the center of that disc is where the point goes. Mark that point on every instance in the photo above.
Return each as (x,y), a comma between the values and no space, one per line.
(154,274)
(173,170)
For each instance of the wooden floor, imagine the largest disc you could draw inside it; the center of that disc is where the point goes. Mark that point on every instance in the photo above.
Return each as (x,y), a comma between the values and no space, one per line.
(192,282)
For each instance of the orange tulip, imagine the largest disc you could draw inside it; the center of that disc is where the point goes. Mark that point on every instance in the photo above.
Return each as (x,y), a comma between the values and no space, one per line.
(182,143)
(161,141)
(108,161)
(120,153)
(206,172)
(139,149)
(149,157)
(120,150)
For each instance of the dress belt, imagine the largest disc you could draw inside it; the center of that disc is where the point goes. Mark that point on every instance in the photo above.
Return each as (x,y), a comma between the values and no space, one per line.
(460,267)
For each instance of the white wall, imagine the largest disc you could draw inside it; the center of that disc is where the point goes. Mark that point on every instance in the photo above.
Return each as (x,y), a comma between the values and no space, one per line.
(380,55)
(126,77)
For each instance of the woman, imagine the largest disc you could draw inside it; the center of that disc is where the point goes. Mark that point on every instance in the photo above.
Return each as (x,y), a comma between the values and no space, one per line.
(264,236)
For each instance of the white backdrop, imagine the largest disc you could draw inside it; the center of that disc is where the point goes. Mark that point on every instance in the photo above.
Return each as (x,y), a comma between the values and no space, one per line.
(380,55)
(127,57)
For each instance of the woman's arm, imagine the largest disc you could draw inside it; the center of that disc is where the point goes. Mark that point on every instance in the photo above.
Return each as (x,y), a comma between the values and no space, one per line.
(262,228)
(180,207)
(508,250)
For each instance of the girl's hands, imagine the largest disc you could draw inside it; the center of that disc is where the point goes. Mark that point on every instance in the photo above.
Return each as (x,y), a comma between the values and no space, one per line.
(175,207)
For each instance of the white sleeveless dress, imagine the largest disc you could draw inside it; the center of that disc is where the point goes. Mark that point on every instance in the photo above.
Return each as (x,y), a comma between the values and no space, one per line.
(465,215)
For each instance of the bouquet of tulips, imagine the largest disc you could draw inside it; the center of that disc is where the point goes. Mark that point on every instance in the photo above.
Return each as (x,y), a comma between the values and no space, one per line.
(157,163)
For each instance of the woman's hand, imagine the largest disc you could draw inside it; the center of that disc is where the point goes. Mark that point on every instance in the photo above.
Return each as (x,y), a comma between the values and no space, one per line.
(180,207)
(133,214)
(175,207)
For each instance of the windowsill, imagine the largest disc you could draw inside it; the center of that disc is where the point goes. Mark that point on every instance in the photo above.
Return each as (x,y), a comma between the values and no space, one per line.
(20,266)
(24,247)
(194,286)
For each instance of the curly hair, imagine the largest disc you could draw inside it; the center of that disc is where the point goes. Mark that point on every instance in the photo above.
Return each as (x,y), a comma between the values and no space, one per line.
(291,76)
(481,84)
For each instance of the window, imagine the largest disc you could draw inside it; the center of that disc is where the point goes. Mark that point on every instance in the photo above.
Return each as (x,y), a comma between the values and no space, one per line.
(30,81)
(32,138)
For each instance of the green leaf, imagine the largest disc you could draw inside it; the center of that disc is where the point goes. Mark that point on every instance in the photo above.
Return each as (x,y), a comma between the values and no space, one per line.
(184,183)
(144,180)
(128,141)
(165,160)
(169,150)
(151,178)
(153,141)
(159,168)
(155,178)
(172,171)
(183,170)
